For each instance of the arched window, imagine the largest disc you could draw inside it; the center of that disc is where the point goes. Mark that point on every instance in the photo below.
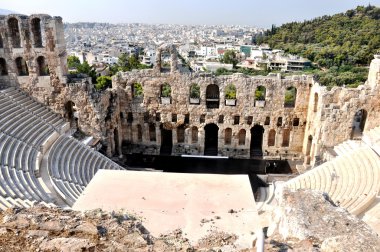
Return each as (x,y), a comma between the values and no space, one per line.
(14,32)
(152,132)
(290,97)
(22,68)
(267,120)
(230,95)
(181,134)
(242,137)
(166,93)
(1,42)
(227,136)
(230,92)
(36,31)
(166,90)
(212,96)
(139,133)
(315,102)
(358,123)
(285,137)
(42,67)
(194,134)
(279,122)
(260,94)
(272,137)
(137,90)
(195,91)
(296,121)
(3,67)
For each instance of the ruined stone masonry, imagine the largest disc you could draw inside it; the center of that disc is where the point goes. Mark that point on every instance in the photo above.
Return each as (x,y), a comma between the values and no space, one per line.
(156,111)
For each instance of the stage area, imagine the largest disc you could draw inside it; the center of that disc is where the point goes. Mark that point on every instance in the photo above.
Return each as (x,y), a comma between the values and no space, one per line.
(195,203)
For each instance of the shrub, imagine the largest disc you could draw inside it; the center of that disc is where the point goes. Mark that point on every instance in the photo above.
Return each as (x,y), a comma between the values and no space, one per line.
(137,90)
(230,92)
(103,82)
(166,90)
(195,91)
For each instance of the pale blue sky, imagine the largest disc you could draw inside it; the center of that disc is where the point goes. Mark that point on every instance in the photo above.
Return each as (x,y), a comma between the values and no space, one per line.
(243,12)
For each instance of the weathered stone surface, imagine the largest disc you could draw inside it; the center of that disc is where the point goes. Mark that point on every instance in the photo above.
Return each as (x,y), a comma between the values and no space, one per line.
(87,228)
(309,215)
(37,233)
(68,245)
(55,226)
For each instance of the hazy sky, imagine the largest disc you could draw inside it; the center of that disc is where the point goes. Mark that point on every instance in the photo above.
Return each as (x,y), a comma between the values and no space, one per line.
(243,12)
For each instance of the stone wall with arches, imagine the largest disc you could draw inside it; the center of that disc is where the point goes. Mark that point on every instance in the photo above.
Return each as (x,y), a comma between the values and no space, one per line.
(33,54)
(155,111)
(187,108)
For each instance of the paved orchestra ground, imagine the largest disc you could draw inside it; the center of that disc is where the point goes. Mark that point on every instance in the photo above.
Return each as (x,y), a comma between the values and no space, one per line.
(196,203)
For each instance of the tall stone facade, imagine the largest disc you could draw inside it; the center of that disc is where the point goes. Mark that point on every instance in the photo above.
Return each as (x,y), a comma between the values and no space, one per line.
(153,111)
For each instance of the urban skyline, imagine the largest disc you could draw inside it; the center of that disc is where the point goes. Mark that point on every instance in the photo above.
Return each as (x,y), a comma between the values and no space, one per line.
(177,12)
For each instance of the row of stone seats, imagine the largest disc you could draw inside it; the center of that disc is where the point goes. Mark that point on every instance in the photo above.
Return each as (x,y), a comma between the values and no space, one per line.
(18,106)
(347,147)
(72,165)
(17,173)
(351,180)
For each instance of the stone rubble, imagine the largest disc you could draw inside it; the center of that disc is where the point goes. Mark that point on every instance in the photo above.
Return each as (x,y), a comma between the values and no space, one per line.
(309,218)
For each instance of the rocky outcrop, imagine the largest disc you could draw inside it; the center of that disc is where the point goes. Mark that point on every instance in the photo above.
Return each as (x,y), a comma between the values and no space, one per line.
(310,217)
(52,229)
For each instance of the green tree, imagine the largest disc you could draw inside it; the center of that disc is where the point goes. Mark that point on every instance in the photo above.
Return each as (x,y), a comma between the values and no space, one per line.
(103,82)
(230,57)
(73,61)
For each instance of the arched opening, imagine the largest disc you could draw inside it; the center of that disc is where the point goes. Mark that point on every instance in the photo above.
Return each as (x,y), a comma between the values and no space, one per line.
(22,68)
(290,97)
(212,96)
(3,67)
(211,139)
(14,32)
(242,137)
(165,60)
(42,67)
(71,114)
(137,91)
(166,93)
(256,148)
(230,95)
(116,141)
(166,141)
(1,42)
(315,102)
(285,137)
(195,94)
(308,149)
(358,123)
(181,134)
(296,122)
(227,136)
(152,132)
(279,122)
(260,94)
(271,137)
(139,133)
(194,135)
(36,31)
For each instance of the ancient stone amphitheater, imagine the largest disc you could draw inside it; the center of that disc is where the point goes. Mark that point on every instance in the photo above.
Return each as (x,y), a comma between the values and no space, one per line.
(333,135)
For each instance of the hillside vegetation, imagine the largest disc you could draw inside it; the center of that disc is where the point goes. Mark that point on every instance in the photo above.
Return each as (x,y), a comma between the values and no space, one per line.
(341,46)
